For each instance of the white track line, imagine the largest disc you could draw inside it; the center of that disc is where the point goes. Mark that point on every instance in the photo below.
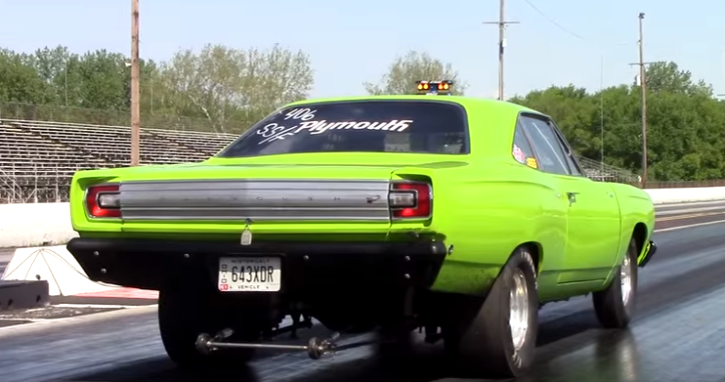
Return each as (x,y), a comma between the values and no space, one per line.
(101,306)
(689,226)
(689,204)
(682,210)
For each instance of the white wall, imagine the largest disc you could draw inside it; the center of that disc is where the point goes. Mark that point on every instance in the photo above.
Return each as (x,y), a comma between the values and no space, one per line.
(27,225)
(685,195)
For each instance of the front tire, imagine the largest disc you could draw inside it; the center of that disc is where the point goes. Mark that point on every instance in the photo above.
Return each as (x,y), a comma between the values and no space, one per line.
(614,306)
(496,337)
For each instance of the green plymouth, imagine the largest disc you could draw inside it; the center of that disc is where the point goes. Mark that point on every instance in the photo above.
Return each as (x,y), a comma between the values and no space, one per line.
(453,215)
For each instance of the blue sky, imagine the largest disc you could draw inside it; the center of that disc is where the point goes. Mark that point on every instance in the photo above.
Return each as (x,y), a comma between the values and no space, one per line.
(354,41)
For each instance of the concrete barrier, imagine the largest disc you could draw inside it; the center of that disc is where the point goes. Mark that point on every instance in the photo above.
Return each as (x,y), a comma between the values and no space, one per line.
(35,224)
(27,225)
(686,195)
(19,295)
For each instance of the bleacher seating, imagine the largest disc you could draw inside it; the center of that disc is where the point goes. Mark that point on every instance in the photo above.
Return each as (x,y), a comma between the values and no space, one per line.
(38,158)
(601,172)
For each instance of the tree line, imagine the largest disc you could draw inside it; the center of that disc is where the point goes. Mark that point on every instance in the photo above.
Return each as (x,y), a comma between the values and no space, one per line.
(685,123)
(219,88)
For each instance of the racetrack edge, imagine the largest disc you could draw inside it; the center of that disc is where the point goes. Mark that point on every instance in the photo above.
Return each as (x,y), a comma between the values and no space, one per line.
(54,324)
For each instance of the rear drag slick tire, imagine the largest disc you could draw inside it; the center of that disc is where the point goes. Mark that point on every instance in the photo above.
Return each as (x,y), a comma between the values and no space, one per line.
(183,314)
(496,337)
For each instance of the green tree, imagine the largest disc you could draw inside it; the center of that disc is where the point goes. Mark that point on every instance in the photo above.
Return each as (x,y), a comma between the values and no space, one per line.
(221,83)
(414,66)
(684,129)
(666,76)
(19,81)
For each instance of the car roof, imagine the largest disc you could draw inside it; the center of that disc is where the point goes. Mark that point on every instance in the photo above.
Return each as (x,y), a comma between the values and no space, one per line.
(465,101)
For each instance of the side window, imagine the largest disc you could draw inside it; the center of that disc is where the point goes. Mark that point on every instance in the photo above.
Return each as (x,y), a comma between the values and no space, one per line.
(573,165)
(521,150)
(550,155)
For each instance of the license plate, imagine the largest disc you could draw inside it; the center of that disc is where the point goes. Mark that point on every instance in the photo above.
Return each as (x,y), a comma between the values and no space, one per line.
(250,274)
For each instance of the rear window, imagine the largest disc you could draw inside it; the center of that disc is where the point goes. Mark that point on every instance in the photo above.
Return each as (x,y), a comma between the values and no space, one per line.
(357,126)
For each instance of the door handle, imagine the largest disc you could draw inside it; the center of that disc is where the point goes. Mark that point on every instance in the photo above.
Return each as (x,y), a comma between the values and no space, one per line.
(572,197)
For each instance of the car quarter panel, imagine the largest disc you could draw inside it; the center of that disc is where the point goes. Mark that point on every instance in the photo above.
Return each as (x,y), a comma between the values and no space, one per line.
(484,218)
(493,206)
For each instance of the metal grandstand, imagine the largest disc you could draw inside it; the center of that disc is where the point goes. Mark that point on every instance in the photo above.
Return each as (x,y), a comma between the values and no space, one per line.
(605,173)
(38,158)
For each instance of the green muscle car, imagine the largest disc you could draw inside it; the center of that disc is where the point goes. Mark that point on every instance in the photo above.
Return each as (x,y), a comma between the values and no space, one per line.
(454,215)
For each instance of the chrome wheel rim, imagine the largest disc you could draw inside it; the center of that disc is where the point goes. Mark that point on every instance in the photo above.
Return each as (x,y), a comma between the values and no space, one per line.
(625,275)
(519,309)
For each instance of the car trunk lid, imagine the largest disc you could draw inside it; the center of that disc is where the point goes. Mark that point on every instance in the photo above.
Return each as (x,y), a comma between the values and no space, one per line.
(294,201)
(259,193)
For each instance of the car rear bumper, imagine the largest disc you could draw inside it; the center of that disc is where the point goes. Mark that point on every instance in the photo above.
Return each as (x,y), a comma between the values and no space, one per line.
(305,267)
(649,251)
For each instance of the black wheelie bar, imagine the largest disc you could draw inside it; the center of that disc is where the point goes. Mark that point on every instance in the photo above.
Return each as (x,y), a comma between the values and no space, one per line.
(316,347)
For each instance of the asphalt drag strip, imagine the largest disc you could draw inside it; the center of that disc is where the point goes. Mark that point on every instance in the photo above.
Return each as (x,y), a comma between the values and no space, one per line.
(678,335)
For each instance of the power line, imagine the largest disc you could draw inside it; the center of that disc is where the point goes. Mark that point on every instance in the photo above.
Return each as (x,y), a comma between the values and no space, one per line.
(597,44)
(502,23)
(552,21)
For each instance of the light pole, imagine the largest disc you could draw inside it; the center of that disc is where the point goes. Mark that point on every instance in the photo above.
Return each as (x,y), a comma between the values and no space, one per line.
(723,94)
(135,71)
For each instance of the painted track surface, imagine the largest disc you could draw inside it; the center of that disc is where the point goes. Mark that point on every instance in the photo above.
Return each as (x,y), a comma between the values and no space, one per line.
(679,335)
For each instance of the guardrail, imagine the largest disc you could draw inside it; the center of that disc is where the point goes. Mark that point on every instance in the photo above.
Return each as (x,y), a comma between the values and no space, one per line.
(34,224)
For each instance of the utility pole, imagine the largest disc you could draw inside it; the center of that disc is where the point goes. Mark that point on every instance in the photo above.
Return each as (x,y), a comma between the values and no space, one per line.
(601,116)
(723,94)
(135,91)
(643,87)
(501,44)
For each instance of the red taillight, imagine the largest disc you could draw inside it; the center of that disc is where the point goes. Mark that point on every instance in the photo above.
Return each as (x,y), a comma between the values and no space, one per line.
(104,201)
(410,200)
